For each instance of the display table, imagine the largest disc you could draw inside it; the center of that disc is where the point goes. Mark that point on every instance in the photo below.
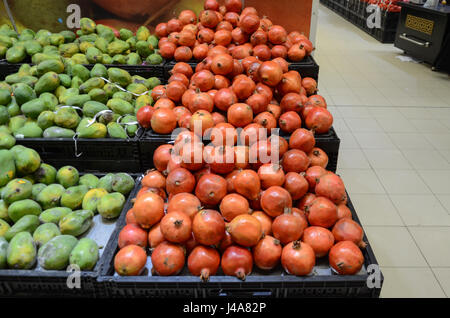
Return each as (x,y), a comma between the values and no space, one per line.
(422,31)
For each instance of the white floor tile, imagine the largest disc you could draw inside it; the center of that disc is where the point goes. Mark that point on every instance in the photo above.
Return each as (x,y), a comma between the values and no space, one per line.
(433,242)
(386,159)
(437,180)
(361,181)
(376,209)
(421,210)
(374,140)
(426,160)
(402,182)
(363,125)
(352,159)
(443,277)
(408,141)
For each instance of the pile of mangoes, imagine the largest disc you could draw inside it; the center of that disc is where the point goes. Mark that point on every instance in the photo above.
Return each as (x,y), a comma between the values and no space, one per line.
(90,45)
(43,210)
(31,101)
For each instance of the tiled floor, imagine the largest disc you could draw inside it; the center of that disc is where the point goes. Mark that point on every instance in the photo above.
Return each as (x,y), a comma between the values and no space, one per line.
(394,121)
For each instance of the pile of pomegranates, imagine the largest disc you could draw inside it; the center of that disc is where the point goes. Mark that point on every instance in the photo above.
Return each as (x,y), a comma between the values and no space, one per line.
(231,27)
(224,208)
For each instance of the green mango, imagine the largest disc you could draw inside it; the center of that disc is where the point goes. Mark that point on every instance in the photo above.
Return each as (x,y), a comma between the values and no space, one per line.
(50,196)
(76,222)
(46,119)
(154,59)
(123,95)
(106,59)
(120,106)
(69,36)
(7,167)
(16,54)
(68,92)
(153,82)
(91,108)
(14,79)
(117,47)
(4,212)
(54,215)
(153,41)
(54,255)
(133,59)
(50,66)
(29,130)
(94,131)
(46,174)
(104,31)
(82,72)
(4,85)
(131,129)
(85,254)
(60,91)
(137,79)
(116,130)
(21,208)
(51,50)
(94,55)
(16,190)
(3,50)
(44,233)
(68,176)
(6,142)
(92,198)
(5,96)
(99,70)
(27,223)
(68,50)
(4,227)
(110,89)
(142,33)
(119,59)
(67,117)
(137,88)
(132,43)
(97,95)
(89,180)
(56,39)
(77,100)
(125,34)
(123,183)
(65,80)
(108,117)
(87,26)
(33,108)
(50,100)
(33,70)
(106,182)
(3,250)
(27,161)
(27,34)
(88,38)
(143,48)
(21,253)
(13,108)
(144,100)
(23,93)
(58,132)
(47,83)
(4,115)
(40,57)
(6,41)
(111,205)
(24,70)
(37,188)
(73,197)
(119,76)
(94,82)
(16,122)
(102,45)
(31,179)
(5,129)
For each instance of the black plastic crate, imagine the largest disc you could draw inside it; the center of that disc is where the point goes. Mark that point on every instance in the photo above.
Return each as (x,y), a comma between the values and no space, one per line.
(106,154)
(8,68)
(276,284)
(306,68)
(52,283)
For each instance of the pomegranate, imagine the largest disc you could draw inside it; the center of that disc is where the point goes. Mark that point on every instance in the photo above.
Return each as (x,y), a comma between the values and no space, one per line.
(132,234)
(203,80)
(168,259)
(242,156)
(346,258)
(233,5)
(208,227)
(245,230)
(258,103)
(320,239)
(223,134)
(243,86)
(348,230)
(163,121)
(265,220)
(240,115)
(209,19)
(313,174)
(288,227)
(297,53)
(203,261)
(200,51)
(224,98)
(203,120)
(211,189)
(291,102)
(144,116)
(271,175)
(266,120)
(331,186)
(267,253)
(161,30)
(183,54)
(290,121)
(344,212)
(224,25)
(283,64)
(291,82)
(186,38)
(154,179)
(222,64)
(222,37)
(296,185)
(270,73)
(306,201)
(247,183)
(222,160)
(205,35)
(317,100)
(187,17)
(280,142)
(155,237)
(211,5)
(239,37)
(232,18)
(130,218)
(225,243)
(302,139)
(275,200)
(295,160)
(318,119)
(277,34)
(279,51)
(258,37)
(249,23)
(318,157)
(179,77)
(233,205)
(148,209)
(161,157)
(130,260)
(322,212)
(220,82)
(201,101)
(167,50)
(298,258)
(237,261)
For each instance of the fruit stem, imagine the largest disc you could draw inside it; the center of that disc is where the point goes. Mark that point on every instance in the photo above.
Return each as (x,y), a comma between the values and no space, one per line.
(240,273)
(296,245)
(204,275)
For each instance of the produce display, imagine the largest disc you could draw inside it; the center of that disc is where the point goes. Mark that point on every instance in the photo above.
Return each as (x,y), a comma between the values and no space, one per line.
(240,31)
(57,100)
(92,43)
(45,213)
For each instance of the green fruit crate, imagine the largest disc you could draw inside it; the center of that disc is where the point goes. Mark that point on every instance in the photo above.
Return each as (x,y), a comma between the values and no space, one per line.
(149,141)
(52,283)
(275,283)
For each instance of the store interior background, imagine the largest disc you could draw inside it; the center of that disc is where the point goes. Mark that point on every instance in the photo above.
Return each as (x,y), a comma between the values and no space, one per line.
(393,119)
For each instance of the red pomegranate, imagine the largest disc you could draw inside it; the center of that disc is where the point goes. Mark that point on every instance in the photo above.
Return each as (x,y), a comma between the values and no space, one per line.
(298,258)
(346,258)
(132,234)
(176,227)
(288,227)
(267,253)
(210,189)
(208,227)
(130,260)
(245,230)
(275,200)
(319,238)
(203,261)
(295,160)
(332,187)
(322,212)
(296,185)
(233,205)
(348,230)
(237,261)
(168,259)
(247,183)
